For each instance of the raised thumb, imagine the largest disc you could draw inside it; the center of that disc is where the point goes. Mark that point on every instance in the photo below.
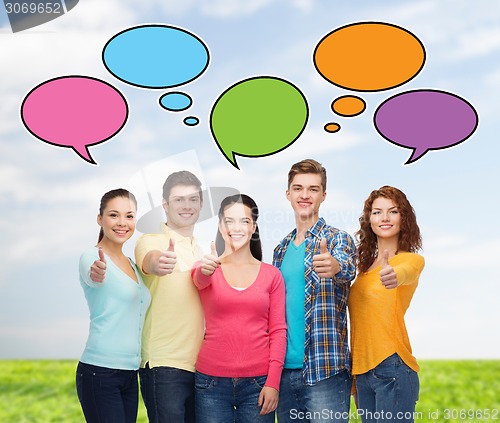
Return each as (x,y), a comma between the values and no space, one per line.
(101,255)
(171,245)
(385,258)
(322,246)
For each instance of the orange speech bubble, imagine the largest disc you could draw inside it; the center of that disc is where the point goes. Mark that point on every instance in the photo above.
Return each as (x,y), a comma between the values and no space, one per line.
(371,56)
(332,127)
(348,106)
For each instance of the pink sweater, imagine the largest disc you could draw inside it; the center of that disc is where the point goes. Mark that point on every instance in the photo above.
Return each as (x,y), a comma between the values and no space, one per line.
(245,333)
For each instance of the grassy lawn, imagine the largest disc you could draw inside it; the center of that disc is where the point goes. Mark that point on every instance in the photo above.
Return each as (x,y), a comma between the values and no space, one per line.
(451,391)
(41,391)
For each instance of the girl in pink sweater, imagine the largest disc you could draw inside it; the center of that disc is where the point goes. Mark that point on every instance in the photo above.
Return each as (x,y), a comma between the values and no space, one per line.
(239,365)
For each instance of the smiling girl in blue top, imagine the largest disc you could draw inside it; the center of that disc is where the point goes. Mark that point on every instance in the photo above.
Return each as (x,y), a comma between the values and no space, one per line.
(106,376)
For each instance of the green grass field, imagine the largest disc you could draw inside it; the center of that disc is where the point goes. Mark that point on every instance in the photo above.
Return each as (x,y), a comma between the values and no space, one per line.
(451,391)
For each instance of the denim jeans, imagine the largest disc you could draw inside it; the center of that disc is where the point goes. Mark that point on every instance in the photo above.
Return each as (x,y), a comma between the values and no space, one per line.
(107,395)
(388,393)
(168,394)
(326,401)
(229,400)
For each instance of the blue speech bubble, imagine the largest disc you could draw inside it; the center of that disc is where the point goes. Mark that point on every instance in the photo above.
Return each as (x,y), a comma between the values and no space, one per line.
(175,101)
(155,56)
(191,121)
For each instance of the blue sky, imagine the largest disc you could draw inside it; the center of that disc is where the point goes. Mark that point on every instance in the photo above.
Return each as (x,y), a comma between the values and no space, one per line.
(49,196)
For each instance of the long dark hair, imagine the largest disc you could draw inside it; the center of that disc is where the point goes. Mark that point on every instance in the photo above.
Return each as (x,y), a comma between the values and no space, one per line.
(110,195)
(409,240)
(255,244)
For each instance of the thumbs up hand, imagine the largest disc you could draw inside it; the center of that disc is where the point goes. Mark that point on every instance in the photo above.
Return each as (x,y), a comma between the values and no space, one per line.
(98,268)
(388,275)
(165,260)
(210,262)
(324,264)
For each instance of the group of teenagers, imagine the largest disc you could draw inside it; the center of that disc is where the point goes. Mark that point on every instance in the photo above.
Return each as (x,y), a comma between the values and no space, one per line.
(224,337)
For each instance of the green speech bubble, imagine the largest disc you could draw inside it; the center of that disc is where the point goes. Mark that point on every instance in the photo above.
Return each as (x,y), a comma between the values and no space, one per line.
(258,117)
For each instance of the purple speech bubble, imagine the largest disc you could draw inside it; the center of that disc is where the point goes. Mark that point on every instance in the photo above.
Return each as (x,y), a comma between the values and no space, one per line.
(74,112)
(425,120)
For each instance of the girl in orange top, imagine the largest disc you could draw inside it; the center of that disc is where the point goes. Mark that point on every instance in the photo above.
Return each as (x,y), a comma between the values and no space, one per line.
(387,382)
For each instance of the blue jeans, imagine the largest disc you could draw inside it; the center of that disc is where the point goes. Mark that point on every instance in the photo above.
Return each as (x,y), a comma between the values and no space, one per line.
(229,400)
(326,401)
(107,395)
(168,394)
(388,393)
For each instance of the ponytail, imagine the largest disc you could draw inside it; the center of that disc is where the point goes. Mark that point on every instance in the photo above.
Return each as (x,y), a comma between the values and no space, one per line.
(106,198)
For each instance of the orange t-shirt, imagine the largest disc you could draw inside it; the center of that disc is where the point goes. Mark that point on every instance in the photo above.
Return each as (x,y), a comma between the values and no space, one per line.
(376,313)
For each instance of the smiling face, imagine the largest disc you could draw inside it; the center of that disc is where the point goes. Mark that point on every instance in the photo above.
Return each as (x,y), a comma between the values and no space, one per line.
(306,194)
(183,208)
(236,226)
(385,219)
(118,220)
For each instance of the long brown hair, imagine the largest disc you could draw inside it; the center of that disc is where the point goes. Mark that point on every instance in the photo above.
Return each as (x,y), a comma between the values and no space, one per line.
(409,240)
(110,195)
(255,244)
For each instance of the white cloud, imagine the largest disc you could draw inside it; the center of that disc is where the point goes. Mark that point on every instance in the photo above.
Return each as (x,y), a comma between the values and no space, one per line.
(492,78)
(233,8)
(304,5)
(456,252)
(52,54)
(94,15)
(412,10)
(169,9)
(473,44)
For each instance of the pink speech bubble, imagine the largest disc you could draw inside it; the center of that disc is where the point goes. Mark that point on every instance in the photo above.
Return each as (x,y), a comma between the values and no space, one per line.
(74,112)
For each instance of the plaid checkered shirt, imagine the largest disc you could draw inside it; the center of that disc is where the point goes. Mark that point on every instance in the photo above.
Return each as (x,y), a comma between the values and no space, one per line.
(326,349)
